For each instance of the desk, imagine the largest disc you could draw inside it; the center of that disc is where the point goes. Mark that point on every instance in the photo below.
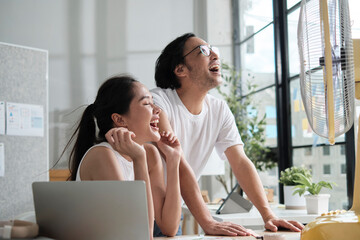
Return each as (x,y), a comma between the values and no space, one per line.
(288,236)
(253,219)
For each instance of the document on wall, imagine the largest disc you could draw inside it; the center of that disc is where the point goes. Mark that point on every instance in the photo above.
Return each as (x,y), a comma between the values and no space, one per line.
(2,160)
(2,117)
(24,119)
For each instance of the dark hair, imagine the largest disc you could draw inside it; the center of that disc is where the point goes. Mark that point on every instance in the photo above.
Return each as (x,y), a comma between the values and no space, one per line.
(170,57)
(114,96)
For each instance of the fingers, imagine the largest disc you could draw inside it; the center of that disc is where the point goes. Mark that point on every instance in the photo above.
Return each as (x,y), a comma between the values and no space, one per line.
(117,136)
(169,137)
(230,229)
(109,136)
(297,224)
(273,225)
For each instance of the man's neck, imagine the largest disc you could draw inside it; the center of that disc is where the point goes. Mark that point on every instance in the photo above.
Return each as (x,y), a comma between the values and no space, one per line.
(192,99)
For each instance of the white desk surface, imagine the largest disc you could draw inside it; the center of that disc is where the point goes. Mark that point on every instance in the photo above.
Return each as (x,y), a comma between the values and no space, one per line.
(253,218)
(287,235)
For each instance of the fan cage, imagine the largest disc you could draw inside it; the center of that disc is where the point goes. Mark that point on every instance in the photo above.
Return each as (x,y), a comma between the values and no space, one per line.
(313,70)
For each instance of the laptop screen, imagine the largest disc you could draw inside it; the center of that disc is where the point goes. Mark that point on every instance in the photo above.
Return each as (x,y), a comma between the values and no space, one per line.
(92,209)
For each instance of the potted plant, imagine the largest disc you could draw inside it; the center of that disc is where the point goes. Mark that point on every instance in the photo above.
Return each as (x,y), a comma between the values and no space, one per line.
(250,126)
(316,203)
(289,178)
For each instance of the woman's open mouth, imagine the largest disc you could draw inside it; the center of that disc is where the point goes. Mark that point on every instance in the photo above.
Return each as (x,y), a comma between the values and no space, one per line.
(154,124)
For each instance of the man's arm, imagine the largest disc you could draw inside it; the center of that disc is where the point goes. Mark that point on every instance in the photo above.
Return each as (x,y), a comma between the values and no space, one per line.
(249,181)
(191,194)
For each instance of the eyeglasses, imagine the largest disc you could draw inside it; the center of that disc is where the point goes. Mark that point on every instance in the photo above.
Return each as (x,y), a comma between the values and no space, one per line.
(205,50)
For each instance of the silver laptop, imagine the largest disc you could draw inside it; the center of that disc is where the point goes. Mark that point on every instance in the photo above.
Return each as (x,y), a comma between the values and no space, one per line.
(92,210)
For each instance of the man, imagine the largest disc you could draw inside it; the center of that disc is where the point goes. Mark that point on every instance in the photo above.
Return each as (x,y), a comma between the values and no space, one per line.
(185,71)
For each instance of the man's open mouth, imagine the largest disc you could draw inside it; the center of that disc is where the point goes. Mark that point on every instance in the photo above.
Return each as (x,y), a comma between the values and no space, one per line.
(215,68)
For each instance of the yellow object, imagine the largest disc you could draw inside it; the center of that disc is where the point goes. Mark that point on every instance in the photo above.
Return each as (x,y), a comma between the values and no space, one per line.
(356,47)
(296,105)
(340,224)
(328,73)
(333,226)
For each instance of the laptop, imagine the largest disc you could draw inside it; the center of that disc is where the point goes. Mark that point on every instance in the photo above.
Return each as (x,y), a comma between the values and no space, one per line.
(234,203)
(92,209)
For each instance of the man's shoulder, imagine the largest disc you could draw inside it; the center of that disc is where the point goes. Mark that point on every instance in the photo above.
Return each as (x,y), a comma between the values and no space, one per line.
(215,101)
(161,92)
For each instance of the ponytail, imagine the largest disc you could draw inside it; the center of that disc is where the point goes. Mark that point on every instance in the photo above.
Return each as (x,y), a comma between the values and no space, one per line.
(86,138)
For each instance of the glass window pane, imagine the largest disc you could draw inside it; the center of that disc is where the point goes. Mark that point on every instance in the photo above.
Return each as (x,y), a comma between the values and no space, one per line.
(294,59)
(257,58)
(254,15)
(301,131)
(291,3)
(264,103)
(354,6)
(327,168)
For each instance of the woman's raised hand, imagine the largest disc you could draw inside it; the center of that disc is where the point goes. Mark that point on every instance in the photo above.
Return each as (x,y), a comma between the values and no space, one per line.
(121,139)
(169,145)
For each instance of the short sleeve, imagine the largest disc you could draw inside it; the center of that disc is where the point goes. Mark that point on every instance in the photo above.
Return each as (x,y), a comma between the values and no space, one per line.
(162,100)
(228,134)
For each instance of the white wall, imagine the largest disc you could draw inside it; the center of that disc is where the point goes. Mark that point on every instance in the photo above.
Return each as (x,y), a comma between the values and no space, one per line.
(89,40)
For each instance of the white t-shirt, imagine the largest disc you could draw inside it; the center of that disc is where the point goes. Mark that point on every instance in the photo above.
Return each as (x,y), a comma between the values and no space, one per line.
(199,134)
(127,167)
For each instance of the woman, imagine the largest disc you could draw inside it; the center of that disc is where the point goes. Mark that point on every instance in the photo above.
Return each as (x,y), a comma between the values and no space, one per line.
(127,118)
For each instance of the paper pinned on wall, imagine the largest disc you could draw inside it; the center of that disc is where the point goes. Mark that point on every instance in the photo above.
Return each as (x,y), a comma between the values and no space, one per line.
(24,119)
(2,118)
(2,160)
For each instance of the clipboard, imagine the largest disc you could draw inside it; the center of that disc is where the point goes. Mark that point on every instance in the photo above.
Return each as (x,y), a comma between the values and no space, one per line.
(234,203)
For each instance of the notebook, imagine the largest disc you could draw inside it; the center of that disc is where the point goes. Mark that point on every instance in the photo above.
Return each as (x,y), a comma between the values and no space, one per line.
(92,209)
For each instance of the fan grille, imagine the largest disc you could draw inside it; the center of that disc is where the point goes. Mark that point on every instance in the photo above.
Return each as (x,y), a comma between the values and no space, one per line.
(313,68)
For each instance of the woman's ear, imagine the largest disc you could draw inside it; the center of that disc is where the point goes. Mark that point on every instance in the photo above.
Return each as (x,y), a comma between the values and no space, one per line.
(118,120)
(180,70)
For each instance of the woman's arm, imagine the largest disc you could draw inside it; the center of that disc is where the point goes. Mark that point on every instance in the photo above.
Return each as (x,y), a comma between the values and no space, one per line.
(167,199)
(121,140)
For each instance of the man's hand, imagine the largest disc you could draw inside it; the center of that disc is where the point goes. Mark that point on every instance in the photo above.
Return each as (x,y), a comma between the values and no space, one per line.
(227,229)
(274,223)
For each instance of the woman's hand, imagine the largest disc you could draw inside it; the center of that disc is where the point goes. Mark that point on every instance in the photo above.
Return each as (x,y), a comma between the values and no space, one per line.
(169,145)
(121,139)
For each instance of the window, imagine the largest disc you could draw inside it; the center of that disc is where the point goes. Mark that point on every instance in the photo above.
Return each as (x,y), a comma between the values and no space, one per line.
(343,168)
(326,150)
(259,33)
(308,151)
(258,67)
(326,169)
(342,149)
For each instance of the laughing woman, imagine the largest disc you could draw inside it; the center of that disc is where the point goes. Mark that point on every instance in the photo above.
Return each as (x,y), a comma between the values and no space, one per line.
(112,144)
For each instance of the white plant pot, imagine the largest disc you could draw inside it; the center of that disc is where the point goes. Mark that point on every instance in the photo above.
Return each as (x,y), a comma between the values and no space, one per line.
(293,201)
(317,204)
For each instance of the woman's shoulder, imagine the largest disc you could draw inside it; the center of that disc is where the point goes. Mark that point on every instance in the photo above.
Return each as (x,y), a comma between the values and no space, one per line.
(100,151)
(98,162)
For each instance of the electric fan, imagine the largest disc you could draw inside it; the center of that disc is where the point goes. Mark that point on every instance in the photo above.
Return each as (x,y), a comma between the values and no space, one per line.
(327,82)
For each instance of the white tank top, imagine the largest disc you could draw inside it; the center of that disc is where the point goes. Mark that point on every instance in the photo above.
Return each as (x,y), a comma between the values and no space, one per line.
(127,168)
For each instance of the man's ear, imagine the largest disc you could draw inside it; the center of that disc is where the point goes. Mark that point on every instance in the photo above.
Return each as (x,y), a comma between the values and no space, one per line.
(118,120)
(180,70)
